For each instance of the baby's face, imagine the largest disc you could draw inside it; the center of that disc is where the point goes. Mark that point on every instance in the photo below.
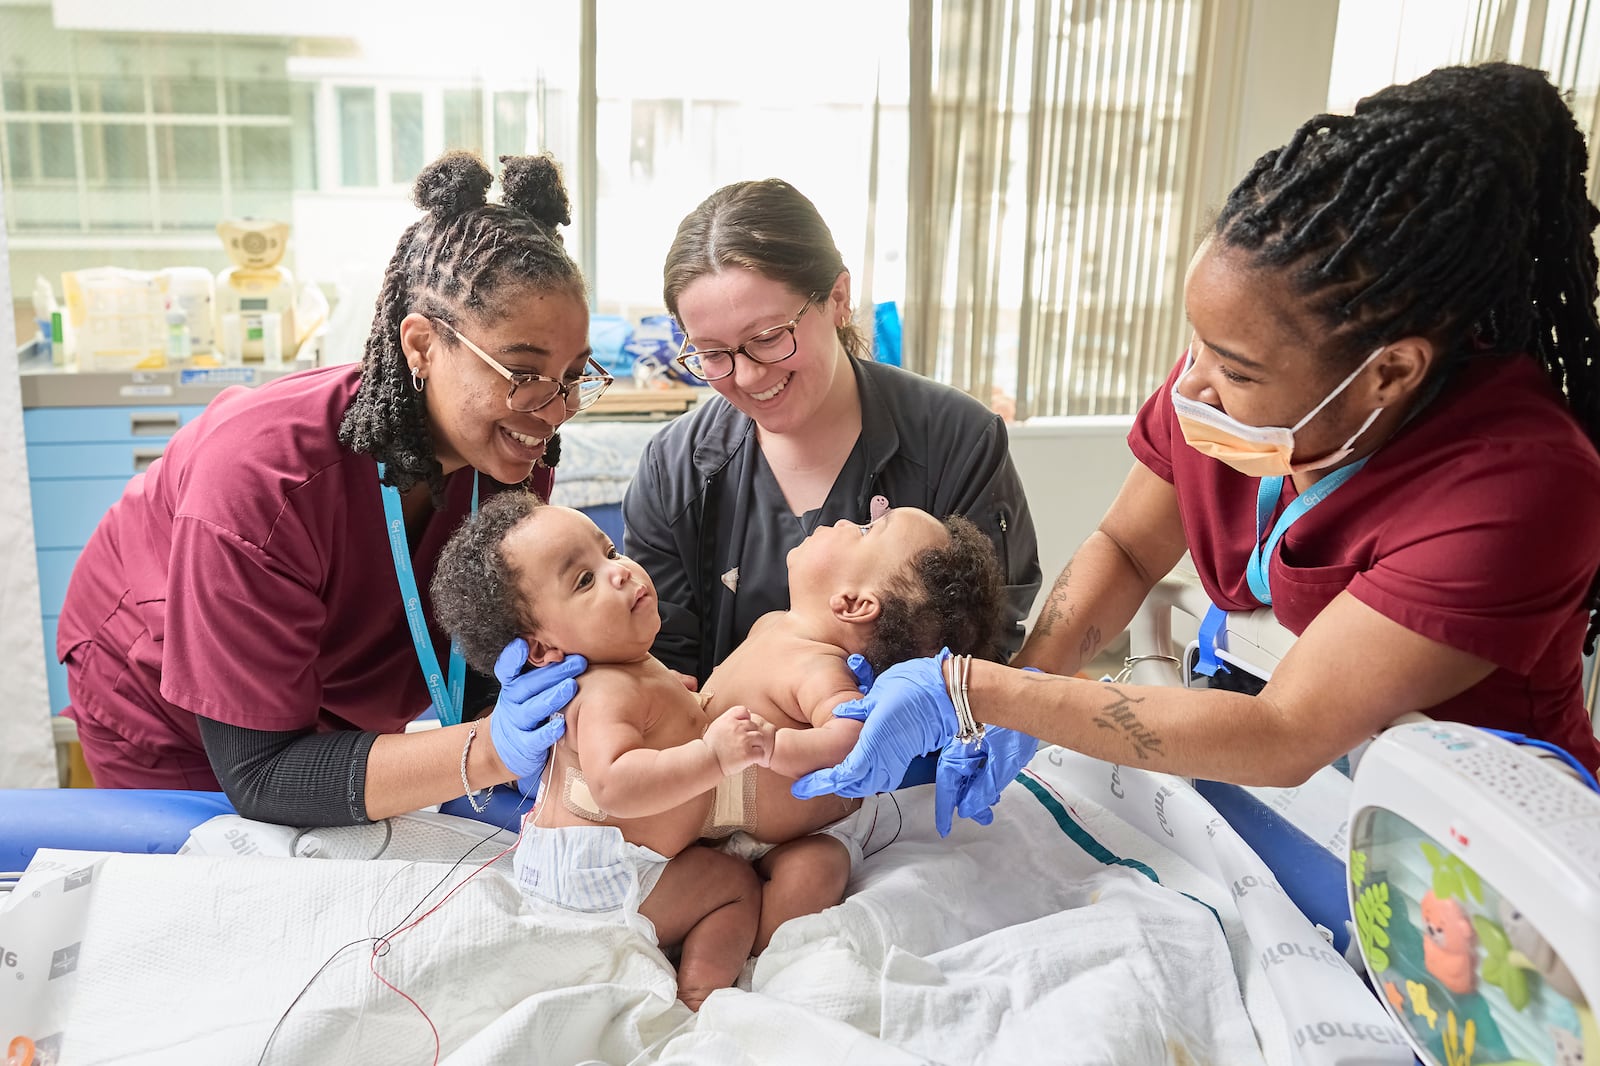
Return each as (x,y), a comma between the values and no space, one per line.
(587,598)
(849,552)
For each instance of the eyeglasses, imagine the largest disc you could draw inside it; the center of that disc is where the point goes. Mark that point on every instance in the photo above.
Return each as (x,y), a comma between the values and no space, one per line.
(533,392)
(769,346)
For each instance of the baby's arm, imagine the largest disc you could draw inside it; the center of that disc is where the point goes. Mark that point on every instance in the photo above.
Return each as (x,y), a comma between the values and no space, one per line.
(629,779)
(828,741)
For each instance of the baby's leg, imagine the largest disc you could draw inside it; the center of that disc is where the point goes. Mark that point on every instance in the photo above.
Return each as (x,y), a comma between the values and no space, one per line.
(803,877)
(710,903)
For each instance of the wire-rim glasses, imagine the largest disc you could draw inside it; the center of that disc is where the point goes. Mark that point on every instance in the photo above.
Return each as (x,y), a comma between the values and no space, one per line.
(533,392)
(769,346)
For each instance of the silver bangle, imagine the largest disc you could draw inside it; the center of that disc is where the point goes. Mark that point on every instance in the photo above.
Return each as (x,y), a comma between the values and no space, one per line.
(466,786)
(968,731)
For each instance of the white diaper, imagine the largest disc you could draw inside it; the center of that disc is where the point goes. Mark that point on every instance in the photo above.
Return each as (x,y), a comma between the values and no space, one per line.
(589,869)
(856,831)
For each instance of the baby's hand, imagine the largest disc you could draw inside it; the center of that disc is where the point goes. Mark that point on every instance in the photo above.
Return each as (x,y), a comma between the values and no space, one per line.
(739,739)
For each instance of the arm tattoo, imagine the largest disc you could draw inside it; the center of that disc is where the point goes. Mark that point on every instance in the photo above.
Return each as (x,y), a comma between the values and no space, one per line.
(1053,611)
(1118,717)
(1091,644)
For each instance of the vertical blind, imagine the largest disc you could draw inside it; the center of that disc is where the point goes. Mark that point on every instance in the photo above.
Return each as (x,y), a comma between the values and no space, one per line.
(1051,203)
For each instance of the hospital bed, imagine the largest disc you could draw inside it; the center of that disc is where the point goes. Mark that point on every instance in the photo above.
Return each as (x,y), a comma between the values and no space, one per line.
(1210,919)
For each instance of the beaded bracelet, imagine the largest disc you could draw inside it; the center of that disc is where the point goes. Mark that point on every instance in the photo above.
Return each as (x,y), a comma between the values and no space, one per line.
(957,670)
(466,786)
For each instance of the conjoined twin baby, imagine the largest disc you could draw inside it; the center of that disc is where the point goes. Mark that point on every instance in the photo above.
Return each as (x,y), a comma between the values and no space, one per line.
(657,801)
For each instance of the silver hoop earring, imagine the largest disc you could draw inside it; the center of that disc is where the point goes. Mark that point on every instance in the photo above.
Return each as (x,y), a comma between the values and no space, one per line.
(418,382)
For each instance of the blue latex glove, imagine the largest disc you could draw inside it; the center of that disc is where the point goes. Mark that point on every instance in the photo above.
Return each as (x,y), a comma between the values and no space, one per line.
(1005,753)
(907,714)
(862,671)
(958,766)
(522,726)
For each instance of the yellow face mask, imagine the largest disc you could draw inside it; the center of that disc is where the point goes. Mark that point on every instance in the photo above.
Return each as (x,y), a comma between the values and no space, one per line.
(1257,451)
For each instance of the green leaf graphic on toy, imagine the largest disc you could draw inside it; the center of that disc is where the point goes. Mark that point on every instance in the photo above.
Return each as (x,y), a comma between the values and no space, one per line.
(1452,878)
(1358,867)
(1372,924)
(1498,969)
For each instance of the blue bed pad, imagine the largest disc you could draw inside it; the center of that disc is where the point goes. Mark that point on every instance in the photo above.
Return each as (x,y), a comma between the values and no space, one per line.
(158,821)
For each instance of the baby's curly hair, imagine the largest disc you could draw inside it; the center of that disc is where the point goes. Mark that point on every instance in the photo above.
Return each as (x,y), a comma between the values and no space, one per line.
(950,597)
(475,594)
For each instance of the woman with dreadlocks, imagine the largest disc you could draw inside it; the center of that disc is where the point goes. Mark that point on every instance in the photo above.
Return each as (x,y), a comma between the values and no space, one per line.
(1384,427)
(236,618)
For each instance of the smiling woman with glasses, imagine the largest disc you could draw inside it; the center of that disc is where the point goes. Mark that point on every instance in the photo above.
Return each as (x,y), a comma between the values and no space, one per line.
(772,345)
(253,614)
(532,392)
(805,430)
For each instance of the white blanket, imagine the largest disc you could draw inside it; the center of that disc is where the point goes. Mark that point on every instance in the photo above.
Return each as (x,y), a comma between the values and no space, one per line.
(1043,937)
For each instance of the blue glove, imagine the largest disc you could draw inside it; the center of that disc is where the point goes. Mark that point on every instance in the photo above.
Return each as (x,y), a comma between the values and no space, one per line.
(522,726)
(958,766)
(1005,753)
(862,671)
(907,714)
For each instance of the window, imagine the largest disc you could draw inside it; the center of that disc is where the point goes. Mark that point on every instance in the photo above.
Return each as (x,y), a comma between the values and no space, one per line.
(406,157)
(463,119)
(743,91)
(358,136)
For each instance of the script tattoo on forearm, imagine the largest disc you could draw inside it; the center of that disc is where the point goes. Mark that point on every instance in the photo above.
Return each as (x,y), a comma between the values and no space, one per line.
(1053,611)
(1118,717)
(1091,644)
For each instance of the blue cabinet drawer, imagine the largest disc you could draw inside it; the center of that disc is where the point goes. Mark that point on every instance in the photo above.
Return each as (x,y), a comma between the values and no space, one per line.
(66,512)
(55,570)
(71,425)
(54,673)
(93,460)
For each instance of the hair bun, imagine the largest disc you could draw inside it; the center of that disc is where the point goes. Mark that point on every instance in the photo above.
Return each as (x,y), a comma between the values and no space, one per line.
(532,185)
(455,182)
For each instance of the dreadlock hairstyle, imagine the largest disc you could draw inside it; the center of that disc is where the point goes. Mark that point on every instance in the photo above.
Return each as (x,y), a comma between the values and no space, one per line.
(769,227)
(464,256)
(948,597)
(475,595)
(1453,208)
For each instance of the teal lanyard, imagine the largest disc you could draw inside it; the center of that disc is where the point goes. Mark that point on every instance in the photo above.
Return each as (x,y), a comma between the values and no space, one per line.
(1267,494)
(446,701)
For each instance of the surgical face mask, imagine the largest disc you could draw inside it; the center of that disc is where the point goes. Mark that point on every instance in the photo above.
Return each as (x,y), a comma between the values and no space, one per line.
(1257,451)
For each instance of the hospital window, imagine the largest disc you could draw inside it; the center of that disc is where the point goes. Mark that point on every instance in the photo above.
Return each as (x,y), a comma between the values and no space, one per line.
(406,157)
(463,119)
(358,137)
(137,135)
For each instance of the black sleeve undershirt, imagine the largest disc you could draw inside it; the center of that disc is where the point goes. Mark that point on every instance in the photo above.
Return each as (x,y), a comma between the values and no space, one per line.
(304,778)
(299,778)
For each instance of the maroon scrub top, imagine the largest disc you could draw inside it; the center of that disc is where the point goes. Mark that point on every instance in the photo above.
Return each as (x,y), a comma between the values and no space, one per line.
(246,576)
(1475,525)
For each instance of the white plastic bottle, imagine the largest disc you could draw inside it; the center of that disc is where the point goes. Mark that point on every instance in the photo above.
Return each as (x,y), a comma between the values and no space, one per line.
(179,347)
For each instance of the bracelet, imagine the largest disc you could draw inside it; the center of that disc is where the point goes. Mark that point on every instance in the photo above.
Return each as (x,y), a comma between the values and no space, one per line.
(968,731)
(466,786)
(1126,673)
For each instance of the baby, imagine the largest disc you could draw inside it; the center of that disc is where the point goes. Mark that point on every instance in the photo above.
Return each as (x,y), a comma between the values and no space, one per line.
(647,768)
